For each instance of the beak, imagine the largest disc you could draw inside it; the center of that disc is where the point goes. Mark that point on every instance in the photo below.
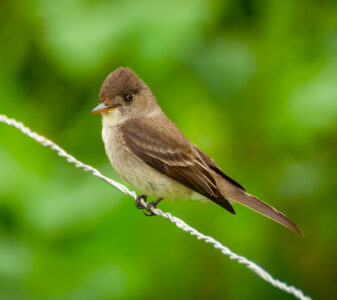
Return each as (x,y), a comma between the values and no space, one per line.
(102,107)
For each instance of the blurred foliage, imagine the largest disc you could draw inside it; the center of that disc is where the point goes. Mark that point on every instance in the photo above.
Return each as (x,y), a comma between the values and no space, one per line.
(253,83)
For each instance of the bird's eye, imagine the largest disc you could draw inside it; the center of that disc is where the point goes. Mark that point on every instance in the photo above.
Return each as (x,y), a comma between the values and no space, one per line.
(128,97)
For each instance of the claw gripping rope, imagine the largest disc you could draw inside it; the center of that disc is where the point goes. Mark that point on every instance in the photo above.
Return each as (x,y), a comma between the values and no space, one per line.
(179,223)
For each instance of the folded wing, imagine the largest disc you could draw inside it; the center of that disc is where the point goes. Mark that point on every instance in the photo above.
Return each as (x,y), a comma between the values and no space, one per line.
(171,153)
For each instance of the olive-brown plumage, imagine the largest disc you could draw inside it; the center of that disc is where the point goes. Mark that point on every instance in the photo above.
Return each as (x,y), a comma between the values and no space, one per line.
(152,154)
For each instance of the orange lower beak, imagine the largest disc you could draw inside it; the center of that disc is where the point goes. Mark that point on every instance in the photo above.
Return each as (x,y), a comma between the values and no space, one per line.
(102,107)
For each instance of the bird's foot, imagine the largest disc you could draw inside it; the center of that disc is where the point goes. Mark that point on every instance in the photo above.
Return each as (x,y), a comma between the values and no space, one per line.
(149,205)
(138,203)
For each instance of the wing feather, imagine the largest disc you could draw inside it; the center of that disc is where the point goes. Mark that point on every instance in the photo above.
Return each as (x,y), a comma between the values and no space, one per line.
(169,152)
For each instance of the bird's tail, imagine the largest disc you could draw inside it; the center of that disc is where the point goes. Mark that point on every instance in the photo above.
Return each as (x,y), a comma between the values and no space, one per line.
(241,196)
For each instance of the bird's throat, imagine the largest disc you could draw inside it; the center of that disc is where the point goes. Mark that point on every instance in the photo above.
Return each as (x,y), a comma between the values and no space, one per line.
(111,118)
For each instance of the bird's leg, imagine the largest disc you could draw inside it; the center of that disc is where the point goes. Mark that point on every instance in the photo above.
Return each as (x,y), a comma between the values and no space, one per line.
(149,205)
(138,203)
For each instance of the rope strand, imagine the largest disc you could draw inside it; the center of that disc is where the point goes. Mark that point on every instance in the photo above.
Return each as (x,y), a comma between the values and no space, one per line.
(178,222)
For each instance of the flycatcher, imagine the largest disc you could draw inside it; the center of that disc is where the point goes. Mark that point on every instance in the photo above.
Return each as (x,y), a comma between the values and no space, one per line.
(149,152)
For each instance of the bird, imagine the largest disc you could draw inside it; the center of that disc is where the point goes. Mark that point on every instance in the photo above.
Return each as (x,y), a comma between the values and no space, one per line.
(148,151)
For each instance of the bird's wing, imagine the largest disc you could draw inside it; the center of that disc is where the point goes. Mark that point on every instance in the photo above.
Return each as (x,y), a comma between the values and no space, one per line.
(162,146)
(212,165)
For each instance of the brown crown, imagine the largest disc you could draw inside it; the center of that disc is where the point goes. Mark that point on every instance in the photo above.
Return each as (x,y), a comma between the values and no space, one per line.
(120,82)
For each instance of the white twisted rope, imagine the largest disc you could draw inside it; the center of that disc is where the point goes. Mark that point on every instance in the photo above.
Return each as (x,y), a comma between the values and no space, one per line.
(179,223)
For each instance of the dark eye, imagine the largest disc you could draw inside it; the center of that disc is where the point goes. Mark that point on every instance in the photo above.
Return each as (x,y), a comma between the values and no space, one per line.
(128,97)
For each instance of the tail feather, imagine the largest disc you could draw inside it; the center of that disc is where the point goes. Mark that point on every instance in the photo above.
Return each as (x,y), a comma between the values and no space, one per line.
(230,191)
(266,210)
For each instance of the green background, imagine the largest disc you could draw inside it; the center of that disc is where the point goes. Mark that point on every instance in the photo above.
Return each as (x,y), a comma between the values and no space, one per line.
(253,83)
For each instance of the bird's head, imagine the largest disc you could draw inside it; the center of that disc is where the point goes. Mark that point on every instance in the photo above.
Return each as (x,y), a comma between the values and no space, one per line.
(123,95)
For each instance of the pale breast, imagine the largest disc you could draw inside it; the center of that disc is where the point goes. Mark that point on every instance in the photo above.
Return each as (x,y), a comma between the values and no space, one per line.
(136,172)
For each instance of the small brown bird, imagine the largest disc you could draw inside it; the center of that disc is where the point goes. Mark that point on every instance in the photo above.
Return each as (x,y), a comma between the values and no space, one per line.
(149,152)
